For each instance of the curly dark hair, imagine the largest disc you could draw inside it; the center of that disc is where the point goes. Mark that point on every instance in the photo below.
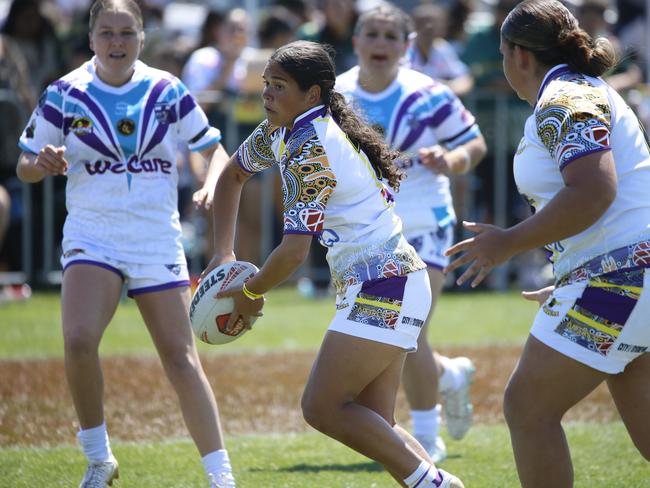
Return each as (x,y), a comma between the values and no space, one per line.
(309,64)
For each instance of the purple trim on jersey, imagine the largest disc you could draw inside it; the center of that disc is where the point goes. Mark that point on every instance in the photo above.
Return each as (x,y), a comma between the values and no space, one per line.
(550,76)
(607,305)
(93,141)
(410,100)
(466,129)
(61,85)
(241,165)
(582,154)
(441,115)
(95,263)
(53,116)
(67,122)
(158,136)
(152,98)
(97,112)
(186,105)
(305,119)
(151,289)
(415,133)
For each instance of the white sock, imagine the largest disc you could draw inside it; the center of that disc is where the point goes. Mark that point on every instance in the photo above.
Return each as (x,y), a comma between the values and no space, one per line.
(217,462)
(426,422)
(451,378)
(425,476)
(95,443)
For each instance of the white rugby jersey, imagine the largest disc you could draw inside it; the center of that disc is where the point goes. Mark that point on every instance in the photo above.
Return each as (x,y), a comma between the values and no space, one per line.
(413,112)
(576,115)
(121,145)
(330,190)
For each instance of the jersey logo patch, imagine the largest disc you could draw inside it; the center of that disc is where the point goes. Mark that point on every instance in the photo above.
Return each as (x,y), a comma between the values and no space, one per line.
(81,126)
(126,127)
(161,112)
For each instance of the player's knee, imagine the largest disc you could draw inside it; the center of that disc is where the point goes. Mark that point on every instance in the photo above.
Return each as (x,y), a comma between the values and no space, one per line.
(315,411)
(516,408)
(79,343)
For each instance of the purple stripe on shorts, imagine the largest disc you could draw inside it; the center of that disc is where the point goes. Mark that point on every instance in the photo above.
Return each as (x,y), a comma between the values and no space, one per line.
(422,478)
(150,289)
(95,263)
(610,306)
(385,287)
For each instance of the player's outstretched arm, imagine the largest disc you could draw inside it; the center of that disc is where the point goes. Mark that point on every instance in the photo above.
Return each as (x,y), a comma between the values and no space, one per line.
(217,158)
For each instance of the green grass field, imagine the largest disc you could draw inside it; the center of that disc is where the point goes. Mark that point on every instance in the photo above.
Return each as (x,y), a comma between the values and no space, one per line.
(603,454)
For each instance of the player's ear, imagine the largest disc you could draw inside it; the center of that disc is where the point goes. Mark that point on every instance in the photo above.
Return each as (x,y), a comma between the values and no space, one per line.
(314,94)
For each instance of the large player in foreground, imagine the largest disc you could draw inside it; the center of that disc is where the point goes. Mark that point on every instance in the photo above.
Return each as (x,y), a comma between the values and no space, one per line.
(584,166)
(112,127)
(334,169)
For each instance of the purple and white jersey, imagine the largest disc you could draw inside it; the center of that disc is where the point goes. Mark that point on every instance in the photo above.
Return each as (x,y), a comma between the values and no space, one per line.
(330,190)
(413,112)
(121,145)
(576,115)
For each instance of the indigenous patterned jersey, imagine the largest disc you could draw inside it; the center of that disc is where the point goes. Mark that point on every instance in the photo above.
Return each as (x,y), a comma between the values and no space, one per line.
(330,189)
(412,113)
(576,115)
(121,145)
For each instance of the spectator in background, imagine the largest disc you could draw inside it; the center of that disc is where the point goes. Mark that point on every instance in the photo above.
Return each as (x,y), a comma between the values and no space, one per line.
(35,36)
(592,16)
(335,29)
(18,100)
(431,54)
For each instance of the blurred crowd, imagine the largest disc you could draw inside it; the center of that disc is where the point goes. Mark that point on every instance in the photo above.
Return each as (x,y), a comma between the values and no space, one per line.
(219,48)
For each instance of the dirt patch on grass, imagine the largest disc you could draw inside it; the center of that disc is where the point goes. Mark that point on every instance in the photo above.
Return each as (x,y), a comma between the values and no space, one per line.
(255,392)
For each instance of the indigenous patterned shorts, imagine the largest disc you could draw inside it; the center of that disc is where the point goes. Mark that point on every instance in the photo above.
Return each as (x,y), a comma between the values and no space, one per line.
(602,321)
(389,310)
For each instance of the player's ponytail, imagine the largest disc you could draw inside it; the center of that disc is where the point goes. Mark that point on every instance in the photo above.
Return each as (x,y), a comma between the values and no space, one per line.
(551,33)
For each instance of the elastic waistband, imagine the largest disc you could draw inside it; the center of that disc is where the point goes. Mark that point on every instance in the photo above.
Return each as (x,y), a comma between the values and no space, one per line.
(635,255)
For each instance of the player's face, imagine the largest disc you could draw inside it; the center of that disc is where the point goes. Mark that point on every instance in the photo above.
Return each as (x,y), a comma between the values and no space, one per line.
(379,45)
(507,51)
(283,99)
(117,41)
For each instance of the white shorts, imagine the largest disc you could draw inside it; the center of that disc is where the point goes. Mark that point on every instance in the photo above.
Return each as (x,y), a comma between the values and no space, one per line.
(603,322)
(139,278)
(430,244)
(389,310)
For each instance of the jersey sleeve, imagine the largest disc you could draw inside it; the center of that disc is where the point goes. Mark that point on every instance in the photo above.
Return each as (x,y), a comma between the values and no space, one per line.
(45,126)
(575,120)
(257,153)
(308,184)
(193,124)
(450,121)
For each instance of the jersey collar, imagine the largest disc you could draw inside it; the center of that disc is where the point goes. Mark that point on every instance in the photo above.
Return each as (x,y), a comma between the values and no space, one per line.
(304,119)
(554,72)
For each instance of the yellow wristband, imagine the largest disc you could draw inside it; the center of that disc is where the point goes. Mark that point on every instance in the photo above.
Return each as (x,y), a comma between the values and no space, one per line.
(249,294)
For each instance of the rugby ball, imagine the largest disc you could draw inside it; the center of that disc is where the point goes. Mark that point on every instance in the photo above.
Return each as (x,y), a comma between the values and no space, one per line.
(209,315)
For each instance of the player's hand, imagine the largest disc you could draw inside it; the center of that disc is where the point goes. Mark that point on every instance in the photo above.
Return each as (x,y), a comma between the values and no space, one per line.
(203,198)
(217,260)
(244,308)
(51,160)
(486,250)
(434,159)
(540,296)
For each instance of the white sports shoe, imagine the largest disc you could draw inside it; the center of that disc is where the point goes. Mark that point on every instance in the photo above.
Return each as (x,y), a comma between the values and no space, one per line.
(449,480)
(221,480)
(435,446)
(456,403)
(100,474)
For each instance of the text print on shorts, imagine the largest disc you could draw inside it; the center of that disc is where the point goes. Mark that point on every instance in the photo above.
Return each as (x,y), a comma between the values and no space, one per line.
(603,322)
